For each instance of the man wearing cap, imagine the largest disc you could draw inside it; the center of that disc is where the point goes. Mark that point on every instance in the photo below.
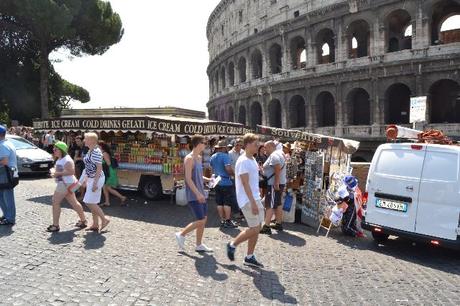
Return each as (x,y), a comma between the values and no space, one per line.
(221,166)
(7,158)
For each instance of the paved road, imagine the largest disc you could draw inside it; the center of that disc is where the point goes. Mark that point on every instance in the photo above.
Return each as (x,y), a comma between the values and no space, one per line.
(136,263)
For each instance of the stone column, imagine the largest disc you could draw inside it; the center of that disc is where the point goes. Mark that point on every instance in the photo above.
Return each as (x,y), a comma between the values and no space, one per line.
(422,37)
(286,60)
(378,37)
(313,117)
(311,51)
(339,111)
(340,50)
(285,121)
(265,61)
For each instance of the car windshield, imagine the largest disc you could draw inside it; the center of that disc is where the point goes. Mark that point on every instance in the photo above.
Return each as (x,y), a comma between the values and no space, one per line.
(21,144)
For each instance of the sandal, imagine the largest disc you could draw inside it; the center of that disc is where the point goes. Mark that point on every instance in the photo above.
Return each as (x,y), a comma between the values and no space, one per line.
(82,224)
(92,228)
(53,229)
(104,225)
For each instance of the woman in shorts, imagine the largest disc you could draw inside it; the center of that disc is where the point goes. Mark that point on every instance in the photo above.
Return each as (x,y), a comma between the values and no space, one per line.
(94,179)
(66,182)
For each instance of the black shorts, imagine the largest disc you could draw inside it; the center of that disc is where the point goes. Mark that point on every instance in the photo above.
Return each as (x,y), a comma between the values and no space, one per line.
(225,195)
(273,197)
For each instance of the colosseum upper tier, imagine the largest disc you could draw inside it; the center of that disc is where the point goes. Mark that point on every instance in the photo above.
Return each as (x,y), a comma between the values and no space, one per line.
(343,68)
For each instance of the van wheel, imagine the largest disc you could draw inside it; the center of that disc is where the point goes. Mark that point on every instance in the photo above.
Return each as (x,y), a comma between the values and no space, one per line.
(379,237)
(151,188)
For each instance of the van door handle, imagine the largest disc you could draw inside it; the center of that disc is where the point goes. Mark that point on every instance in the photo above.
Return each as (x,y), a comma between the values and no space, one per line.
(410,188)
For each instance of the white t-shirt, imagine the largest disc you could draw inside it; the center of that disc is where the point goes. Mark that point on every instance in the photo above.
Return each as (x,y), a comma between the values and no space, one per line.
(60,164)
(246,165)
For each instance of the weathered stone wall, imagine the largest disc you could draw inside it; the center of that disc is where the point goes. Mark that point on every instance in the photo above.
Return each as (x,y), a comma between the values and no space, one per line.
(268,66)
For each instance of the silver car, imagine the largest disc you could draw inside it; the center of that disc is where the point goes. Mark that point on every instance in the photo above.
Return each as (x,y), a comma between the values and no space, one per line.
(31,159)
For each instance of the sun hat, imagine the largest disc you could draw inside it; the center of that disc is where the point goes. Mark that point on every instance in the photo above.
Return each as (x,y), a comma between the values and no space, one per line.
(61,146)
(221,144)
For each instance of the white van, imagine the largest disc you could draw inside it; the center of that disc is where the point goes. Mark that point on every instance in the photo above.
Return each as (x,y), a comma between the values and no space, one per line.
(414,191)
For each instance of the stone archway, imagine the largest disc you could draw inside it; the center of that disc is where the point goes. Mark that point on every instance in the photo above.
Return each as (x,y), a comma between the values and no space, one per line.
(257,64)
(325,105)
(444,102)
(326,46)
(256,114)
(399,31)
(445,22)
(358,39)
(242,115)
(275,113)
(276,59)
(358,107)
(297,112)
(397,104)
(242,68)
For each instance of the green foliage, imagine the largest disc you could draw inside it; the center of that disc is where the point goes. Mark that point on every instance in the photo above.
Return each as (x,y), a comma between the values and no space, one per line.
(35,28)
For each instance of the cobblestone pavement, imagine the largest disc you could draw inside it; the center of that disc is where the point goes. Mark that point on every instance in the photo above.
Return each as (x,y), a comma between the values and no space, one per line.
(136,262)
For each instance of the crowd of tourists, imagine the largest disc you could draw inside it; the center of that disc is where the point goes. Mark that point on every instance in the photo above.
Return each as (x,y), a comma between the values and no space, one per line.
(249,180)
(242,175)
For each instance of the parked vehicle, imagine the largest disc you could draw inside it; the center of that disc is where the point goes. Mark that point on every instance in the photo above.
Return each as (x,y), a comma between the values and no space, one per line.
(31,159)
(414,191)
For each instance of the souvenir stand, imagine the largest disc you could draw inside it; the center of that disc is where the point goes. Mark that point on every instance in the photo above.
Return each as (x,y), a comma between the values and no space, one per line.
(318,163)
(152,147)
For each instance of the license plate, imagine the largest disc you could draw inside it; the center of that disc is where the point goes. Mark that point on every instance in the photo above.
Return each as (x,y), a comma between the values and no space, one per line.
(391,205)
(44,166)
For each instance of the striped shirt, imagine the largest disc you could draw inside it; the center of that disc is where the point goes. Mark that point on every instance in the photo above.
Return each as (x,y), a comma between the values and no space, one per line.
(92,159)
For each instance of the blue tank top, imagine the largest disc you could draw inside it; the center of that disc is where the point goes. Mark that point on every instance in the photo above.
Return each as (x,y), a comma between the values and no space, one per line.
(197,178)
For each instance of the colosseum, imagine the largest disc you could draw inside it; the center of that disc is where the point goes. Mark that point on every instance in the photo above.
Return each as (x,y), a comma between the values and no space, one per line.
(343,68)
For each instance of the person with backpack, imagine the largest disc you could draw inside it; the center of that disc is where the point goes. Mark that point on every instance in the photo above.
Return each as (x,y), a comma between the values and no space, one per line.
(9,164)
(109,165)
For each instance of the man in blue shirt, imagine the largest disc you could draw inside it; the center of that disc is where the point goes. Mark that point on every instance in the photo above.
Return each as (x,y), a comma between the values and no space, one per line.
(7,158)
(222,167)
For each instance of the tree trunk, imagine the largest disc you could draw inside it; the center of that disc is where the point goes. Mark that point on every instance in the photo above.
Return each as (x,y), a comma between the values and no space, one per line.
(44,81)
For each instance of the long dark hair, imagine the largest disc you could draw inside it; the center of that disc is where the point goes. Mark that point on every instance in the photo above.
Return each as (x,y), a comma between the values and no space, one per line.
(105,148)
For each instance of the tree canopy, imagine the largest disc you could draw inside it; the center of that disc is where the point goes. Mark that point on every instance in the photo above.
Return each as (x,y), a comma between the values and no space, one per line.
(32,29)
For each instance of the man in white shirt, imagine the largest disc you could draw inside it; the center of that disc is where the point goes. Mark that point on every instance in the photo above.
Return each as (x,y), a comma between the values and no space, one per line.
(236,152)
(249,200)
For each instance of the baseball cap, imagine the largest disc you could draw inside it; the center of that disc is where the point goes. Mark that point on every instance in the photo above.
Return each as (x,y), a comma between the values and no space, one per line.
(351,181)
(3,129)
(61,146)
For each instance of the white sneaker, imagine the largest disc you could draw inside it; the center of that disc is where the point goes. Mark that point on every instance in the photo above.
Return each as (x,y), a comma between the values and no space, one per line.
(203,249)
(180,241)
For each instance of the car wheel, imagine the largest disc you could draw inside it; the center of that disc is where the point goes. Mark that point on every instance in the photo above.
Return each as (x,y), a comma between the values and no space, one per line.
(151,188)
(380,237)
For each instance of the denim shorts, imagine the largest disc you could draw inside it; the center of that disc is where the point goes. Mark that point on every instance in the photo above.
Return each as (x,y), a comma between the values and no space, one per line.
(199,210)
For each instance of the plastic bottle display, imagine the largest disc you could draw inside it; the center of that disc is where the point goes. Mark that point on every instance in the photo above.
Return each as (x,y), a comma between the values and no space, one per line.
(159,156)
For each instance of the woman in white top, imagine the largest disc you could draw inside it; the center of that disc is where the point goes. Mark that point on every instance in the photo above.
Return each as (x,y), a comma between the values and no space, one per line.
(95,179)
(66,182)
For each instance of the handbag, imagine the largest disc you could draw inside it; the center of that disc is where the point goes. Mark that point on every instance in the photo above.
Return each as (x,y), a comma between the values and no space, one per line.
(288,199)
(7,178)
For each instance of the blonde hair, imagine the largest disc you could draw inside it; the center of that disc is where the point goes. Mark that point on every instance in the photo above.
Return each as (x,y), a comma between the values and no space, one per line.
(249,138)
(92,136)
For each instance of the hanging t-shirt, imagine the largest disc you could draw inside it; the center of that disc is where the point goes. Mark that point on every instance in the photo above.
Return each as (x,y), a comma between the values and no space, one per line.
(249,166)
(60,165)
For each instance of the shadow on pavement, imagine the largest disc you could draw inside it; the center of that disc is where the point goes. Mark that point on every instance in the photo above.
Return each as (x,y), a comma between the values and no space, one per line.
(267,282)
(93,240)
(6,231)
(157,212)
(62,237)
(206,266)
(289,238)
(232,232)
